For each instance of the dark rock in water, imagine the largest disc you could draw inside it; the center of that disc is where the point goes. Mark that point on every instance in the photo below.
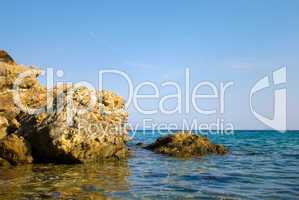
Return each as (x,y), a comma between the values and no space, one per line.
(16,150)
(4,163)
(6,58)
(184,144)
(140,144)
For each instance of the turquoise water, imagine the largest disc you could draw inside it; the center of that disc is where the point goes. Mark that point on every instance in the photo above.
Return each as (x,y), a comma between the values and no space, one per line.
(260,165)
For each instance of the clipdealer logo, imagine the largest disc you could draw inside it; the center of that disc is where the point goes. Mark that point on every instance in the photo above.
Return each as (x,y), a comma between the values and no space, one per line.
(279,120)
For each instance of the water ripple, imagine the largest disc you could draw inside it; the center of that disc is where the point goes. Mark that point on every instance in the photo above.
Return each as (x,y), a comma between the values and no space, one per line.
(260,165)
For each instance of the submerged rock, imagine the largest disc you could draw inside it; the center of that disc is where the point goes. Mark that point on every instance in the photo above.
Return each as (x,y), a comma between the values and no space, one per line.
(185,144)
(140,144)
(16,150)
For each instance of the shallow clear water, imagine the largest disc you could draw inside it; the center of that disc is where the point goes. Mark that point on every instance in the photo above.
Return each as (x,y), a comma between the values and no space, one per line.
(260,165)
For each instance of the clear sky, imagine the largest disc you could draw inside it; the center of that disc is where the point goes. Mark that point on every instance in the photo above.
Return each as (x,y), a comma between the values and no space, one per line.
(220,41)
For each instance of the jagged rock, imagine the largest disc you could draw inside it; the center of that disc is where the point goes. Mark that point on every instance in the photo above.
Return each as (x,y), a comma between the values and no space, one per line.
(67,135)
(16,150)
(63,133)
(185,144)
(31,93)
(5,57)
(9,74)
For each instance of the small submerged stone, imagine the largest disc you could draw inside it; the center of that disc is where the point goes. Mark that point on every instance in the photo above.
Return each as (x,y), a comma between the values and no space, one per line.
(140,144)
(186,144)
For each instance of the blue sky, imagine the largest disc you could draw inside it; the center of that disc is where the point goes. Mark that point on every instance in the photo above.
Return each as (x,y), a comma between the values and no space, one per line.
(220,41)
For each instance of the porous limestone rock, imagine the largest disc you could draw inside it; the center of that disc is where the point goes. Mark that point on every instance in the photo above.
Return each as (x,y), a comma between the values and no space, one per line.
(31,94)
(186,144)
(10,73)
(63,132)
(73,133)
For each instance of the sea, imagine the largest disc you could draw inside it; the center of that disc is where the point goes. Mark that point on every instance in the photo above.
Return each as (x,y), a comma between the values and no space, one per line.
(259,165)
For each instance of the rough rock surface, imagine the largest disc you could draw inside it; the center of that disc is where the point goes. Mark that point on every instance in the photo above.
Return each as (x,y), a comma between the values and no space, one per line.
(67,132)
(185,144)
(16,150)
(4,163)
(3,127)
(31,93)
(9,74)
(68,135)
(5,57)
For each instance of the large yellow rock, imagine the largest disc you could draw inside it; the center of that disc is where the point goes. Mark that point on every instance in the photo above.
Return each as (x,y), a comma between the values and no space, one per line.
(63,133)
(69,135)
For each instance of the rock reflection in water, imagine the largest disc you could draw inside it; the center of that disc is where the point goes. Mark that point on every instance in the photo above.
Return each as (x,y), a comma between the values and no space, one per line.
(86,181)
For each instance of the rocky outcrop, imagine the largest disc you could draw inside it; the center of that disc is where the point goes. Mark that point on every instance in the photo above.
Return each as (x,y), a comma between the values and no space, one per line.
(5,57)
(67,130)
(9,74)
(69,134)
(16,150)
(31,93)
(186,144)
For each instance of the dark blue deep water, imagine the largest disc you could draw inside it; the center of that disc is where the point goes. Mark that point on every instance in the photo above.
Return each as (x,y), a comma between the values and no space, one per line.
(260,165)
